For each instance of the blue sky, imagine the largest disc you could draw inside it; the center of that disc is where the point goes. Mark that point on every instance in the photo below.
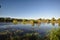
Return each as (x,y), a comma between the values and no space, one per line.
(30,9)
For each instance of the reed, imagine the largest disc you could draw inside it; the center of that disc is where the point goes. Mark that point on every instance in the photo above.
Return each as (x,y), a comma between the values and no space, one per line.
(54,34)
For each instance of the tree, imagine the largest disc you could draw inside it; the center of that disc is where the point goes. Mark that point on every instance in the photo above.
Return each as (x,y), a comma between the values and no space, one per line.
(53,21)
(58,21)
(32,22)
(15,21)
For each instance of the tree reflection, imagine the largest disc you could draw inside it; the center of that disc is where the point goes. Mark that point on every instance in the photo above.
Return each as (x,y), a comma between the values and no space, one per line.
(53,21)
(58,21)
(15,21)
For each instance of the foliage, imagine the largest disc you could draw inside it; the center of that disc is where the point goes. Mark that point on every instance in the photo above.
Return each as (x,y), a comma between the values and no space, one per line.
(54,34)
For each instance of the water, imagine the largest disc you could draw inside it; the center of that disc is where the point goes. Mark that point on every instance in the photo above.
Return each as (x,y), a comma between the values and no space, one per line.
(28,28)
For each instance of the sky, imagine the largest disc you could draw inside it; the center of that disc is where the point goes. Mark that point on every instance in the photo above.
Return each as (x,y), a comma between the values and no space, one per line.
(30,9)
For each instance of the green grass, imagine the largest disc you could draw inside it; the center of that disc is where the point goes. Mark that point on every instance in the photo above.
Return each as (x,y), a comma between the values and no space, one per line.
(54,34)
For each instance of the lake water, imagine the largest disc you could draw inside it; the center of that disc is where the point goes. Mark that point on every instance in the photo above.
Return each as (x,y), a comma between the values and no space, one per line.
(28,28)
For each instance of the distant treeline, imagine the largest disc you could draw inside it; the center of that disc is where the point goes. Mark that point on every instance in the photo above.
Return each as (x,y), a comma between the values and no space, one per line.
(11,19)
(8,19)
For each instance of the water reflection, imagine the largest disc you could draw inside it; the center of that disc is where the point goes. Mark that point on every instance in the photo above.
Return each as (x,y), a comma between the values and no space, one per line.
(27,30)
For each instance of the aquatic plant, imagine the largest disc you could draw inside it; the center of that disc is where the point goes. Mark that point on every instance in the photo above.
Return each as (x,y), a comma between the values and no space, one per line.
(54,34)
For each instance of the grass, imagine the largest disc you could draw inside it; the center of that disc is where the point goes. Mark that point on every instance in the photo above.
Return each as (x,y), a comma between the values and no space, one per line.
(54,34)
